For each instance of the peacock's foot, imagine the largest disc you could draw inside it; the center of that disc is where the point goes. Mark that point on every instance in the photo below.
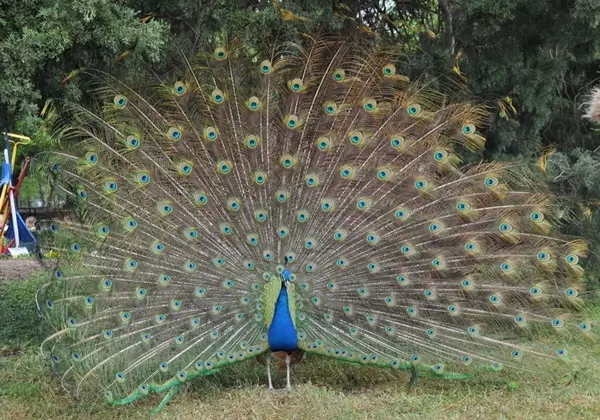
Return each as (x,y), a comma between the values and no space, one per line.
(280,391)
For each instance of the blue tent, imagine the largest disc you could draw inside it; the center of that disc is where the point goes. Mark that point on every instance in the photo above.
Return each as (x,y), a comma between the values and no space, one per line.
(25,234)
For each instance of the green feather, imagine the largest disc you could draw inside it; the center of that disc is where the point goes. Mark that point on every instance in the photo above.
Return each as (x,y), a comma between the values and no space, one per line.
(269,297)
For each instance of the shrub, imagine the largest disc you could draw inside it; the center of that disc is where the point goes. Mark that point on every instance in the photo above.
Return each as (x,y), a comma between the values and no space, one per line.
(19,316)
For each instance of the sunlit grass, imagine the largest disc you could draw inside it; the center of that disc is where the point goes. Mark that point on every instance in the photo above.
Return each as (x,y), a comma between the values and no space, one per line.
(323,389)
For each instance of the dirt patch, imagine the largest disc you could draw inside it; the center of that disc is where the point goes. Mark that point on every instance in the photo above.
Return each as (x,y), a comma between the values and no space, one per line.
(11,351)
(18,269)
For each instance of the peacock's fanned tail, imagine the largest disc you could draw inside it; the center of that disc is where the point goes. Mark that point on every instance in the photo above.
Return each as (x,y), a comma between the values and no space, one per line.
(194,192)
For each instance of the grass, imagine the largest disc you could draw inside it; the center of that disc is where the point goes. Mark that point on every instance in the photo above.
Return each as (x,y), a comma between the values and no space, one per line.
(323,389)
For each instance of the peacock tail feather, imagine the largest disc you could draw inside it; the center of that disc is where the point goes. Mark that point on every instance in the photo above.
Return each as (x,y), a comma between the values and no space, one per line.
(319,164)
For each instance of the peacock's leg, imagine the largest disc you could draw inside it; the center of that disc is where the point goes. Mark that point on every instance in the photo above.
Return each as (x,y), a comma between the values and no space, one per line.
(288,360)
(269,372)
(414,377)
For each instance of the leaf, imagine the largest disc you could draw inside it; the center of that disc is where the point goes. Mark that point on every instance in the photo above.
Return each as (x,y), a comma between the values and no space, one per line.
(431,34)
(286,14)
(542,162)
(72,74)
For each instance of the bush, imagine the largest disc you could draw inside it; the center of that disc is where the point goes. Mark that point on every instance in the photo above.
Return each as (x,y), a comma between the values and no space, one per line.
(19,315)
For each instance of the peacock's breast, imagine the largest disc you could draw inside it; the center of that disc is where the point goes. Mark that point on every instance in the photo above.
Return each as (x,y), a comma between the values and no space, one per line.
(282,334)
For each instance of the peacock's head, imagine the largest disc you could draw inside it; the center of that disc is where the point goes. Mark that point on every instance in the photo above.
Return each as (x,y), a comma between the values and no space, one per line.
(286,275)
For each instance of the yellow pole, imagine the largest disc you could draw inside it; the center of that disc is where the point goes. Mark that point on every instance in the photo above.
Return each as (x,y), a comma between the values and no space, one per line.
(24,140)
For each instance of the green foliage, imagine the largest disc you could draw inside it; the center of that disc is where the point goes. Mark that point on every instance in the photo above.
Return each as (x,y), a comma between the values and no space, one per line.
(44,41)
(18,313)
(540,56)
(198,21)
(31,191)
(543,55)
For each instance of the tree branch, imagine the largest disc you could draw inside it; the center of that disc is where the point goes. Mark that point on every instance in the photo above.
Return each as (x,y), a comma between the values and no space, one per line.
(445,9)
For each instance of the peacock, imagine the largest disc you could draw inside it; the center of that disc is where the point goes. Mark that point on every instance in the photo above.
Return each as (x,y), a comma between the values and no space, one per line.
(302,198)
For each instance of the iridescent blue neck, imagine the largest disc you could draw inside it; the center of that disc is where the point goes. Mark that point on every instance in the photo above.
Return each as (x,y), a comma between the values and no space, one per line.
(282,334)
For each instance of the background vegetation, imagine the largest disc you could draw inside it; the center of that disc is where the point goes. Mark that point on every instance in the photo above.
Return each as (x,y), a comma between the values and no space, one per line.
(532,61)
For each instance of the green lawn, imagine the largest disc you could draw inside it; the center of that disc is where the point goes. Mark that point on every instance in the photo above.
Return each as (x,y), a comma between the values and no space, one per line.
(323,389)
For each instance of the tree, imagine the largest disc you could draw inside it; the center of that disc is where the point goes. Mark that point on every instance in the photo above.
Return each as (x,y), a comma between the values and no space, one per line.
(44,43)
(531,61)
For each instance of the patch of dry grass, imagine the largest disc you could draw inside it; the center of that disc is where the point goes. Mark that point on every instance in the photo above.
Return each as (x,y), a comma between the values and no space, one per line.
(324,389)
